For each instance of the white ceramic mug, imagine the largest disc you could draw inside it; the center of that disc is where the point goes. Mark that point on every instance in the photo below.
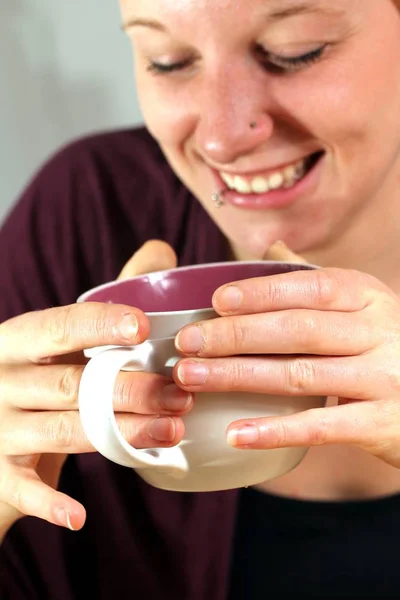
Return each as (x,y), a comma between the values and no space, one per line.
(203,461)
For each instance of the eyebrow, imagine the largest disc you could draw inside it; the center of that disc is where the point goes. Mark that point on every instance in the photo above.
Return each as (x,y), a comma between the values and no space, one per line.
(275,15)
(305,8)
(133,22)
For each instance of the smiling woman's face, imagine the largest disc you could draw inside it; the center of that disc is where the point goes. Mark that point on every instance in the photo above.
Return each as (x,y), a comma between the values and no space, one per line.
(291,106)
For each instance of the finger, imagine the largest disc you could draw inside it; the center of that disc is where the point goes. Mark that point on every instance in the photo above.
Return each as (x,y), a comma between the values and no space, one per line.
(22,489)
(154,255)
(56,387)
(55,432)
(73,358)
(282,332)
(280,252)
(149,394)
(318,289)
(363,424)
(350,377)
(38,335)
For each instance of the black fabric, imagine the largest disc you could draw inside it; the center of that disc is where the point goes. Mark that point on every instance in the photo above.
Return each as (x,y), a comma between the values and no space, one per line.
(287,548)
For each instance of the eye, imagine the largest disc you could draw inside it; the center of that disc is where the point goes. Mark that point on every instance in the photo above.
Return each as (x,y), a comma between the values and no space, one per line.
(159,68)
(289,64)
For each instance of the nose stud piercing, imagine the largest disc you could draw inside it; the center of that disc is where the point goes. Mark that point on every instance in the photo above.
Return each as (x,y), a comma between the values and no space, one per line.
(217,198)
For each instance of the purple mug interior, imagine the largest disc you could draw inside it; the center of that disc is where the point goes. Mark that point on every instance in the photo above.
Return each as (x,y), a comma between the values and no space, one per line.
(183,288)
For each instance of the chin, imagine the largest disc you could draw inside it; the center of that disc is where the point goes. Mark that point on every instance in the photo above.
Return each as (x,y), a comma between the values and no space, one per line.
(250,244)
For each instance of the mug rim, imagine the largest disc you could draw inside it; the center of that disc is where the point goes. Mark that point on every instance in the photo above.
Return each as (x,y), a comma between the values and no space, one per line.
(111,284)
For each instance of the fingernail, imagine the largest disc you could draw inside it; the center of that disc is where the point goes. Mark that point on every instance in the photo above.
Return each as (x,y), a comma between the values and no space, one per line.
(63,518)
(173,398)
(190,340)
(229,298)
(162,429)
(243,436)
(192,373)
(128,327)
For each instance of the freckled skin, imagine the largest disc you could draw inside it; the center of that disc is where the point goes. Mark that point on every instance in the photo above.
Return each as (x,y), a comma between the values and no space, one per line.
(346,104)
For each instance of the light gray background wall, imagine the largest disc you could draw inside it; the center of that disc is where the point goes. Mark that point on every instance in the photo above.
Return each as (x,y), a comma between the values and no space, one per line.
(65,70)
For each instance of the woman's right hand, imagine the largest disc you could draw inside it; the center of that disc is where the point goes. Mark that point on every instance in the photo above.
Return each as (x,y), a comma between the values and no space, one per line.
(41,363)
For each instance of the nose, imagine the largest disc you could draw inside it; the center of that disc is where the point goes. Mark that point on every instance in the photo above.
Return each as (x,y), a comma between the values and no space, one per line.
(233,117)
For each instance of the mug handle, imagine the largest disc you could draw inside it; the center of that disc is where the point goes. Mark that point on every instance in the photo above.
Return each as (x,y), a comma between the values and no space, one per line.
(95,400)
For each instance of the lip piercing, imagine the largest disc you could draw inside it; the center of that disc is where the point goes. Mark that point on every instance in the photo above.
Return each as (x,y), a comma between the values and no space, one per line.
(217,198)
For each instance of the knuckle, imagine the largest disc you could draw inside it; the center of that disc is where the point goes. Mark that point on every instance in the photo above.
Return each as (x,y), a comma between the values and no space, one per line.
(331,283)
(389,332)
(281,434)
(318,430)
(385,374)
(226,336)
(270,293)
(367,288)
(326,286)
(301,324)
(300,376)
(370,282)
(68,384)
(362,288)
(59,326)
(237,374)
(392,376)
(125,390)
(61,431)
(387,412)
(101,324)
(237,334)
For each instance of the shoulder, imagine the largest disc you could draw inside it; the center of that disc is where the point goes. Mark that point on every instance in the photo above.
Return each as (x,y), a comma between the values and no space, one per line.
(134,144)
(95,173)
(127,153)
(93,203)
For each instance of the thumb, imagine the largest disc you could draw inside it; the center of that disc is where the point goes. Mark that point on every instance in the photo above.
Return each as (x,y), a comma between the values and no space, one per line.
(279,251)
(154,255)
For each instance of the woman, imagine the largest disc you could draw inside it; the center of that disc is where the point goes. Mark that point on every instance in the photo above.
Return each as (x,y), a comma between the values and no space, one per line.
(266,120)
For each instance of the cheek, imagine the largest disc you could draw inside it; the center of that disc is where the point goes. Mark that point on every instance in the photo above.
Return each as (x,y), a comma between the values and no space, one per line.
(167,114)
(325,104)
(349,101)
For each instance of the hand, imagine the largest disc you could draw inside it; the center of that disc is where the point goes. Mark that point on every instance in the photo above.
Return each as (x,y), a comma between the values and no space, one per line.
(41,362)
(325,332)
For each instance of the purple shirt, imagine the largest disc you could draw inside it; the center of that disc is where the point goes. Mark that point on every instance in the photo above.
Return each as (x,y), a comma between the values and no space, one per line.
(82,217)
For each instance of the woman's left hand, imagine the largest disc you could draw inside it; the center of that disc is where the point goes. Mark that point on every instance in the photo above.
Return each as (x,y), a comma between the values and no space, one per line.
(323,332)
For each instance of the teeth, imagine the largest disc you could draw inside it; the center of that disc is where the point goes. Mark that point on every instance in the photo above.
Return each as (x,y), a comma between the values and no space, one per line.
(241,185)
(228,179)
(289,173)
(285,178)
(276,181)
(259,185)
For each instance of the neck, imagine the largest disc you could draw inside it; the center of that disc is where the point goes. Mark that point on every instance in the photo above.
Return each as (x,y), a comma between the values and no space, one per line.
(371,244)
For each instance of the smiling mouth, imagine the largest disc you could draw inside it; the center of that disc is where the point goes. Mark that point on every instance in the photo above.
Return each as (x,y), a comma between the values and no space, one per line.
(284,178)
